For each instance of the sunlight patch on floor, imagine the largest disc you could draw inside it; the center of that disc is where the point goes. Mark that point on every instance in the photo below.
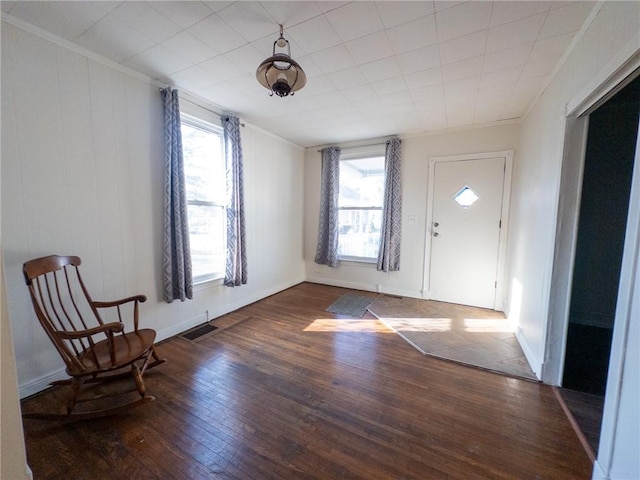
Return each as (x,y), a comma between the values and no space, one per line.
(442,325)
(347,325)
(421,324)
(488,325)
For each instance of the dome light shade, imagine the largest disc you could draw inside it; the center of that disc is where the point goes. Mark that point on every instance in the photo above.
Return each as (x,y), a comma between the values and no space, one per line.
(280,74)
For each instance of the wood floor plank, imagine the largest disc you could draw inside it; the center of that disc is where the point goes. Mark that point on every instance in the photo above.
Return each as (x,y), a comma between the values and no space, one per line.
(290,391)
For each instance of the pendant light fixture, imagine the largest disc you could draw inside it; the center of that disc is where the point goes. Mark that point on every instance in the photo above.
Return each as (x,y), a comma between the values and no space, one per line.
(280,74)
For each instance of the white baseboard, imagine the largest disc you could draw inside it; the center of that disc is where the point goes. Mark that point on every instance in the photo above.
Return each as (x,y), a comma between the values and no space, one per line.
(341,283)
(180,327)
(534,362)
(364,287)
(39,384)
(599,473)
(402,293)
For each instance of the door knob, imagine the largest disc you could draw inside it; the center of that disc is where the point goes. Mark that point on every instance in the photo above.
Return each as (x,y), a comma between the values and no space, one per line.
(436,224)
(436,234)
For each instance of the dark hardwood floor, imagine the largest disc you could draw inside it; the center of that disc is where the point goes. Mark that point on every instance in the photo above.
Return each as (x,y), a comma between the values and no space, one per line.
(294,392)
(586,410)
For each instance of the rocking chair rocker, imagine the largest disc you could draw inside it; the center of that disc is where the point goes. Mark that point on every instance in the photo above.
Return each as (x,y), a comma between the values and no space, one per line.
(93,351)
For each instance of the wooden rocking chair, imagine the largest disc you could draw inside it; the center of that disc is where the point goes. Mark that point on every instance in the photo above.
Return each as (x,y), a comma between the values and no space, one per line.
(94,352)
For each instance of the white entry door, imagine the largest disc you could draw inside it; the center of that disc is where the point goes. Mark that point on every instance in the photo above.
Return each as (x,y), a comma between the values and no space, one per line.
(466,221)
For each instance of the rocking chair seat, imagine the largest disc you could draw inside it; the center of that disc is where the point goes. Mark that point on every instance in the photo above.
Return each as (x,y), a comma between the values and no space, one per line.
(128,348)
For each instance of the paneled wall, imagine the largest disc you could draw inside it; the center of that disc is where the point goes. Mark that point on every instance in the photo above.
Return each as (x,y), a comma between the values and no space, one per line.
(82,174)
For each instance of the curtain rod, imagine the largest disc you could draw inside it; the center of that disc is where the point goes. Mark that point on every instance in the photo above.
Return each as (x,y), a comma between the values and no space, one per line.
(219,115)
(360,146)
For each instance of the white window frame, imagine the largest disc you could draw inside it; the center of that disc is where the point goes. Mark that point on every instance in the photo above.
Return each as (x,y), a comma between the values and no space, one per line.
(206,125)
(360,153)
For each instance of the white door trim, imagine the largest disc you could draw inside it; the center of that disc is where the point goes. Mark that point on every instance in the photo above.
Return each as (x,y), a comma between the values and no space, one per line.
(608,82)
(504,218)
(613,78)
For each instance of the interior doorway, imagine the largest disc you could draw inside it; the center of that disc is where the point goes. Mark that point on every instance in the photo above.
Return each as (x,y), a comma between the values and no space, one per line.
(604,205)
(610,152)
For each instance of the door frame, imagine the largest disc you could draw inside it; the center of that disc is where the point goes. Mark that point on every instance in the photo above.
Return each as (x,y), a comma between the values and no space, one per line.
(612,78)
(499,299)
(570,191)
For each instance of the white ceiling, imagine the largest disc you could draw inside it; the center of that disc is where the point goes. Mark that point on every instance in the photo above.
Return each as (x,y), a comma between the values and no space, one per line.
(374,68)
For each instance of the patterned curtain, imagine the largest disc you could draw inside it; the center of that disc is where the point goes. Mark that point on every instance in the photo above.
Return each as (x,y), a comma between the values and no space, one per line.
(176,261)
(327,250)
(389,253)
(236,269)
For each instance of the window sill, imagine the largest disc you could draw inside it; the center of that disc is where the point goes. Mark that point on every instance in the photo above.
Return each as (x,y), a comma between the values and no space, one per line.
(203,283)
(359,261)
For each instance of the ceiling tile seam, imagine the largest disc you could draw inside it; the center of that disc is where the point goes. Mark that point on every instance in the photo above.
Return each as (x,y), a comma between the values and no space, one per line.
(184,29)
(217,14)
(181,53)
(138,32)
(94,24)
(546,17)
(216,55)
(567,52)
(463,34)
(484,63)
(575,36)
(403,23)
(439,67)
(291,25)
(134,27)
(286,26)
(75,48)
(495,27)
(400,76)
(385,29)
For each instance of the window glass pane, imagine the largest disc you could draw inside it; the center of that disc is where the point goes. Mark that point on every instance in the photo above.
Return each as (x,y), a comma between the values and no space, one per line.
(206,235)
(359,233)
(205,189)
(203,167)
(466,197)
(360,203)
(361,182)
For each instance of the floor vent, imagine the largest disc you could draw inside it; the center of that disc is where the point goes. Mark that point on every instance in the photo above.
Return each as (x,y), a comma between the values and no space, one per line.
(198,332)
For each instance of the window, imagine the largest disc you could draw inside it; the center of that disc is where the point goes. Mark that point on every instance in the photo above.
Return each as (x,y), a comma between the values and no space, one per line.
(360,207)
(466,197)
(204,171)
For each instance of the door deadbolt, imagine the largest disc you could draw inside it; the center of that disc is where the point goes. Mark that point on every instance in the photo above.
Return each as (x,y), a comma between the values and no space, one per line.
(436,234)
(436,224)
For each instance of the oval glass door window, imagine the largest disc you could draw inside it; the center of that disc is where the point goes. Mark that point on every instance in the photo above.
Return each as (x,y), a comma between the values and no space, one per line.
(466,197)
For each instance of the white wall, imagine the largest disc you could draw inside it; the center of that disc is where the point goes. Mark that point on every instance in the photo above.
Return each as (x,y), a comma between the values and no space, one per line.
(613,36)
(620,441)
(625,462)
(82,174)
(416,151)
(537,173)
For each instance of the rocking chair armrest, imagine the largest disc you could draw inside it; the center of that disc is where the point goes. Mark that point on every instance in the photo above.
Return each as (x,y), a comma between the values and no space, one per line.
(115,303)
(113,327)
